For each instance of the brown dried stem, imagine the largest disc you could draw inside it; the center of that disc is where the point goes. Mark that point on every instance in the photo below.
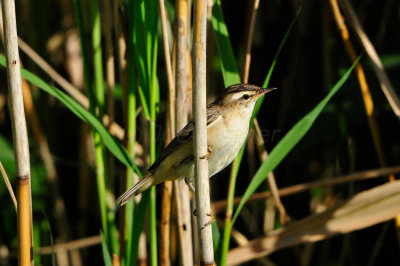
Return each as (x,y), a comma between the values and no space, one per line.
(385,83)
(332,181)
(8,185)
(249,41)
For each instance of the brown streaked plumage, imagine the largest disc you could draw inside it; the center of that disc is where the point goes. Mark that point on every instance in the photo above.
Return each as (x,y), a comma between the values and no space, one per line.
(228,121)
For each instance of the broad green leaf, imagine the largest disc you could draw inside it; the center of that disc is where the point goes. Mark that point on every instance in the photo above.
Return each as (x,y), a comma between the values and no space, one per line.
(228,64)
(109,141)
(288,142)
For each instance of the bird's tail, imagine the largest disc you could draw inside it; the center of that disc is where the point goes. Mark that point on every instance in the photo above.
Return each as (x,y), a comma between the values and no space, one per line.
(145,183)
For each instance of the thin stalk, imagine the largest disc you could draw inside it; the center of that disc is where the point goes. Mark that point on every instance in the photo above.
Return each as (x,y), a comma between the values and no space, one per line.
(385,83)
(98,103)
(183,87)
(152,47)
(8,185)
(60,215)
(200,133)
(249,41)
(329,181)
(70,245)
(167,191)
(229,208)
(19,132)
(131,134)
(263,155)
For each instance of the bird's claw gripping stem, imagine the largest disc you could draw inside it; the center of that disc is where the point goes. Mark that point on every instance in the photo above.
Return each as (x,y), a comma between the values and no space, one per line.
(208,155)
(210,214)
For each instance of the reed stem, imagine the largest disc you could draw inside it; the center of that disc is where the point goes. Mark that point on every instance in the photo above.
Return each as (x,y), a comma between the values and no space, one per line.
(183,93)
(19,133)
(200,134)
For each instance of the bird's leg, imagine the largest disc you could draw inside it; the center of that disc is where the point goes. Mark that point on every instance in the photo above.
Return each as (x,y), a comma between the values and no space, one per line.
(189,183)
(208,155)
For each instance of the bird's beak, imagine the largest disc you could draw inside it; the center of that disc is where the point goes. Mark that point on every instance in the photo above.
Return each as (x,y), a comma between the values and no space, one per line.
(263,91)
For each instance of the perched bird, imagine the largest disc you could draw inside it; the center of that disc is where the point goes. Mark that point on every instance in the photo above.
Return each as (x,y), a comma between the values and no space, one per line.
(228,120)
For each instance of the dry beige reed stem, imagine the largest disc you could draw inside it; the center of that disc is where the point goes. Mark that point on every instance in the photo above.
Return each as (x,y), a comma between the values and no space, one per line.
(200,133)
(165,226)
(183,99)
(19,132)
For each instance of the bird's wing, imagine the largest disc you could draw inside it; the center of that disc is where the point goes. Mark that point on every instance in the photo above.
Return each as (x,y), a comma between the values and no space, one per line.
(185,135)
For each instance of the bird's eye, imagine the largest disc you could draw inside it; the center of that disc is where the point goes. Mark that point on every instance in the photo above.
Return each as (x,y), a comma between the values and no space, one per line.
(246,96)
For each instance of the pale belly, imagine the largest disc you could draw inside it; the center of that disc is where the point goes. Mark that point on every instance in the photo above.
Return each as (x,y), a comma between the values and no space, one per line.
(225,147)
(225,142)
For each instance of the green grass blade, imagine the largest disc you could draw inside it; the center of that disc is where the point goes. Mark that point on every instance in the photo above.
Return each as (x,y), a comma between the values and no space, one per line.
(99,88)
(228,64)
(106,253)
(109,141)
(288,142)
(140,41)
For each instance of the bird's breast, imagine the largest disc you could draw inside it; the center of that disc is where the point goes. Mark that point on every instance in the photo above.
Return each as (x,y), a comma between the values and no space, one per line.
(225,138)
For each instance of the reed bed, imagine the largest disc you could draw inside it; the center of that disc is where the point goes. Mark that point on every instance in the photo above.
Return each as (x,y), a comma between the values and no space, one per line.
(136,81)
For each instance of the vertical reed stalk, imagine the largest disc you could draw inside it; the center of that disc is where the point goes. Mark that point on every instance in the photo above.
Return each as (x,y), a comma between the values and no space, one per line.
(98,107)
(131,136)
(200,133)
(167,191)
(19,132)
(183,87)
(249,41)
(152,47)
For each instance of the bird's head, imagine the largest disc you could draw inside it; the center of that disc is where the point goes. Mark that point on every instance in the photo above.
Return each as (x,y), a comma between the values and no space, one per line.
(241,97)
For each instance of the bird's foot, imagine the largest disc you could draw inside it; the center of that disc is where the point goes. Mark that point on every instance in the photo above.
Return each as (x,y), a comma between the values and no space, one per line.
(212,219)
(210,214)
(208,155)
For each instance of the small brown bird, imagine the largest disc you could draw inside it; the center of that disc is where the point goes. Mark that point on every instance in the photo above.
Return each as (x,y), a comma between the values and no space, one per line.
(228,120)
